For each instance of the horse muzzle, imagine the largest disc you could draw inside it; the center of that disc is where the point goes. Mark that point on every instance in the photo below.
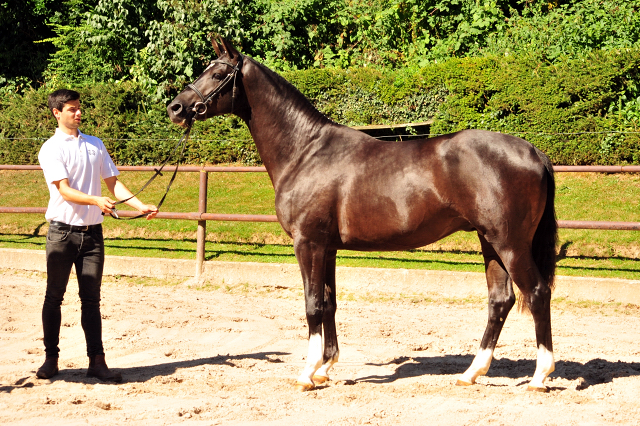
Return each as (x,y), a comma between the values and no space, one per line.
(181,115)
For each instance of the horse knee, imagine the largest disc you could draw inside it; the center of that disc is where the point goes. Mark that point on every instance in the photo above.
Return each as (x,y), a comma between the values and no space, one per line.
(314,317)
(506,302)
(499,308)
(542,292)
(330,309)
(540,300)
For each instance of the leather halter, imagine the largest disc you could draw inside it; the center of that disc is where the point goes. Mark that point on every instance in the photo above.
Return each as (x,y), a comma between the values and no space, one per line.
(200,108)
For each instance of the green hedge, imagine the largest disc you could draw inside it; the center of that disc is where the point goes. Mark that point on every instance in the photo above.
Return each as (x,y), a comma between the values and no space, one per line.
(580,111)
(135,131)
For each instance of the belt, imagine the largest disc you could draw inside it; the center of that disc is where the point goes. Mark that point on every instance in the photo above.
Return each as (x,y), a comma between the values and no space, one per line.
(73,228)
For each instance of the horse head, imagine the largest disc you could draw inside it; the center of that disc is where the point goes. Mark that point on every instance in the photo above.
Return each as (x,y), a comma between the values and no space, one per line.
(214,92)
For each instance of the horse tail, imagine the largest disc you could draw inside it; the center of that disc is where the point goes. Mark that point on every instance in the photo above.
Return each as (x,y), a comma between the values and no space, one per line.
(545,238)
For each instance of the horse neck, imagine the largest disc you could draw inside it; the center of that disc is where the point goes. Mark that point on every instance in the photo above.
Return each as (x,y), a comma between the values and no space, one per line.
(282,122)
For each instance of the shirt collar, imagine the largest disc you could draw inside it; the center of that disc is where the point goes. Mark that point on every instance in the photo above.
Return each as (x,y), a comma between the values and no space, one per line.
(66,137)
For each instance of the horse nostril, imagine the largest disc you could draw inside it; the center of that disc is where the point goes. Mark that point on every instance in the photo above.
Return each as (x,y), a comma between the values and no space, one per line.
(176,108)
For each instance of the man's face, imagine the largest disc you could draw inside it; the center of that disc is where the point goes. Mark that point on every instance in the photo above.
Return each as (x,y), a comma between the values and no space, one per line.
(70,116)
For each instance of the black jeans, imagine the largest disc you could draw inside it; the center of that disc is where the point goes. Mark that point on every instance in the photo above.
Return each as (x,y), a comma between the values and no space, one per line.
(85,250)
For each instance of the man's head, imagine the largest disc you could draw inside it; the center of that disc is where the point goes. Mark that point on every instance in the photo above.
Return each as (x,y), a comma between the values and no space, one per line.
(65,107)
(60,97)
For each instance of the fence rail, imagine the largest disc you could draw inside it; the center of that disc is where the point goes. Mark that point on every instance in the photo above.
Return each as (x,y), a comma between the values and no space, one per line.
(201,216)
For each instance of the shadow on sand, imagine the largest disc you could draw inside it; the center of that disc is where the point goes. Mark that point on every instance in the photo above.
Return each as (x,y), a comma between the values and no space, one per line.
(144,373)
(593,372)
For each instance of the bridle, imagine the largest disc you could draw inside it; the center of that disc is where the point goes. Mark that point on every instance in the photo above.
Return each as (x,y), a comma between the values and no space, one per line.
(200,108)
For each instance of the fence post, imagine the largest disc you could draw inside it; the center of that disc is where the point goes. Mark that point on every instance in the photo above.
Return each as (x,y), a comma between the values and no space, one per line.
(202,224)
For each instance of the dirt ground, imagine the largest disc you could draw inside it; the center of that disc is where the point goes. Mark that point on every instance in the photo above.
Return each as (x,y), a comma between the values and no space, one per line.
(230,356)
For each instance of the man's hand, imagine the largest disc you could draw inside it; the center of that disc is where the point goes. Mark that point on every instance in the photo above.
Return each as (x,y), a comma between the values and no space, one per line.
(106,204)
(121,192)
(150,209)
(72,195)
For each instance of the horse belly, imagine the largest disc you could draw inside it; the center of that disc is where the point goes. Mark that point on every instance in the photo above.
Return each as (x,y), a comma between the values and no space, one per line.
(388,228)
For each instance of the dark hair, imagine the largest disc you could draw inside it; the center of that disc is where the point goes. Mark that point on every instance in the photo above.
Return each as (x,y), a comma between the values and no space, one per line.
(60,97)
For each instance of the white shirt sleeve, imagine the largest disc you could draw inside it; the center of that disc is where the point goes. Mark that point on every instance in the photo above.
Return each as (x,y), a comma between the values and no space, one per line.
(51,162)
(108,168)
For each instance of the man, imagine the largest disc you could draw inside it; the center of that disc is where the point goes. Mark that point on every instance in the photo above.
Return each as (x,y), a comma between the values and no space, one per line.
(73,164)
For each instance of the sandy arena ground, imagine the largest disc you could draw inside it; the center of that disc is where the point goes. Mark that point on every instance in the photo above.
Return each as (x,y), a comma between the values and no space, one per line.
(230,356)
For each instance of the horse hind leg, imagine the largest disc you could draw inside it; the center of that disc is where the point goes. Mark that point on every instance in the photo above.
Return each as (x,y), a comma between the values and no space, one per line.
(331,351)
(501,300)
(536,295)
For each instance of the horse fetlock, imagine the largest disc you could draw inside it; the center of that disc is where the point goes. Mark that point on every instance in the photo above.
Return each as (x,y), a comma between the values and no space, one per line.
(468,378)
(323,371)
(545,365)
(478,367)
(304,382)
(314,363)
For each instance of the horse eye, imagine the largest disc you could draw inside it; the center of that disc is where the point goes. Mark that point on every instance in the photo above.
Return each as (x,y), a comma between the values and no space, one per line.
(216,76)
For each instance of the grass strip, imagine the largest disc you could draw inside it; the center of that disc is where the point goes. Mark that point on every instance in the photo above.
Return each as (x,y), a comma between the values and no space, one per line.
(445,260)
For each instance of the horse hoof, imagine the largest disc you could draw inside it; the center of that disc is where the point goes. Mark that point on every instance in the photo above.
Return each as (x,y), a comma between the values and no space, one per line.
(542,389)
(463,383)
(304,387)
(318,380)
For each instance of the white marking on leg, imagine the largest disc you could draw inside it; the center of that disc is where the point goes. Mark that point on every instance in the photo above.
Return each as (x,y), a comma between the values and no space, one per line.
(323,371)
(478,367)
(544,366)
(314,359)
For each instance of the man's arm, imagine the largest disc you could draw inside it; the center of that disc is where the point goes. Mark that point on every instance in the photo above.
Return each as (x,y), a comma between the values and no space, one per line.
(121,192)
(78,197)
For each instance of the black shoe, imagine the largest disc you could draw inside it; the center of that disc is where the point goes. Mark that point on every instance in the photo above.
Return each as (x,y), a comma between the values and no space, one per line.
(98,369)
(48,369)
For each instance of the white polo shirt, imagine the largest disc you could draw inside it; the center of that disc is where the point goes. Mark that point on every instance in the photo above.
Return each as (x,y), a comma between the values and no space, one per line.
(84,161)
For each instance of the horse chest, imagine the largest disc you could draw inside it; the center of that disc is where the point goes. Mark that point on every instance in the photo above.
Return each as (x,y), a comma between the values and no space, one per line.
(303,209)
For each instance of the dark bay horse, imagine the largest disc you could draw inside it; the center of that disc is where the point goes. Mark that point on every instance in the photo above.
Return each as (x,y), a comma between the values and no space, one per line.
(338,188)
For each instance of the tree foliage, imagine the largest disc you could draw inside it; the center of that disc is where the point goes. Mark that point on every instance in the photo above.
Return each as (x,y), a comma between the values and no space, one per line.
(163,43)
(531,67)
(23,22)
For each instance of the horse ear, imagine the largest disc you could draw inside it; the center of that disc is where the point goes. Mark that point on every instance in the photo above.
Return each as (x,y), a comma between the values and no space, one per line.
(216,46)
(228,47)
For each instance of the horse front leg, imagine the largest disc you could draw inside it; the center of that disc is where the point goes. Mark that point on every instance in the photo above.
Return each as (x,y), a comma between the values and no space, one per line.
(331,351)
(311,257)
(501,300)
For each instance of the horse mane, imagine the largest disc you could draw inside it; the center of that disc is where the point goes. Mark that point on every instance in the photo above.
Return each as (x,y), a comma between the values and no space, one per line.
(294,97)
